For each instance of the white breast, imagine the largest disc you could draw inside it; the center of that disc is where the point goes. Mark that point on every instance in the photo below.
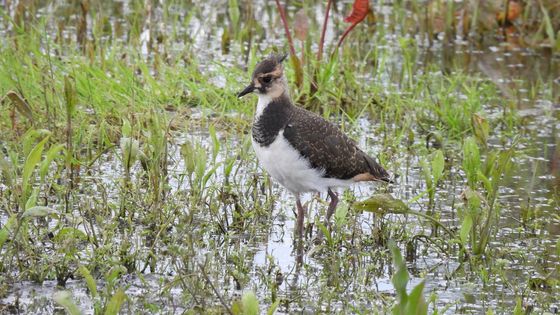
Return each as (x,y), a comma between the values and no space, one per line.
(284,164)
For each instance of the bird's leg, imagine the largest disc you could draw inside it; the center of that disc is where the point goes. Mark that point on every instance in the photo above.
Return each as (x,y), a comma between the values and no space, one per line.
(300,217)
(332,206)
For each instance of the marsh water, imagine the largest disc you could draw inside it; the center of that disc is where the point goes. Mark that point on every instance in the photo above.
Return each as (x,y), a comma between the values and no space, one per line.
(240,237)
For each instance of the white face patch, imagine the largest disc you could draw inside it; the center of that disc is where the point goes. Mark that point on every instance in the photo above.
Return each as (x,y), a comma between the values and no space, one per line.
(278,87)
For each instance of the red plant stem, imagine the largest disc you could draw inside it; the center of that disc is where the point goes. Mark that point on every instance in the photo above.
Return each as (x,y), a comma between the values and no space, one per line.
(286,28)
(346,33)
(325,22)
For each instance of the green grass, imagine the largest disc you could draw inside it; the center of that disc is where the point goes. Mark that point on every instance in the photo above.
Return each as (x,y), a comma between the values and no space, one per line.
(121,170)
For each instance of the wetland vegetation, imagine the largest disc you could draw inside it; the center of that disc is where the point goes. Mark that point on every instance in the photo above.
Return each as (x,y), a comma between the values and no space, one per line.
(128,182)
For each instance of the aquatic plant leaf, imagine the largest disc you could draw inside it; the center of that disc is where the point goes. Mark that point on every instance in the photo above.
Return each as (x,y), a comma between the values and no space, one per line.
(481,128)
(233,10)
(114,273)
(548,25)
(32,199)
(20,104)
(50,156)
(301,25)
(438,163)
(8,172)
(90,282)
(426,173)
(236,307)
(272,309)
(326,232)
(471,161)
(38,211)
(126,129)
(518,310)
(382,203)
(250,303)
(115,303)
(215,142)
(340,214)
(465,228)
(70,233)
(188,153)
(130,148)
(70,96)
(416,304)
(31,162)
(64,298)
(5,231)
(399,278)
(228,167)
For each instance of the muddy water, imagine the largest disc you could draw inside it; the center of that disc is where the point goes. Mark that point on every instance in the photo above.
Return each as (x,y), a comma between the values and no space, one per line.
(532,254)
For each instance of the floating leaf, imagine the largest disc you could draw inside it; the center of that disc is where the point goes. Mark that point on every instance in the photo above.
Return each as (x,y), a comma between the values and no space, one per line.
(64,298)
(382,203)
(38,211)
(21,105)
(301,25)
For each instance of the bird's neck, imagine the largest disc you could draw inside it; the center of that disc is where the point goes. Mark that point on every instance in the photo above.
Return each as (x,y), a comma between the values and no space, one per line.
(271,116)
(266,100)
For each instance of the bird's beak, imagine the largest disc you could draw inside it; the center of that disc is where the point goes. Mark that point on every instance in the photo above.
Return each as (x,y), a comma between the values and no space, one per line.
(250,88)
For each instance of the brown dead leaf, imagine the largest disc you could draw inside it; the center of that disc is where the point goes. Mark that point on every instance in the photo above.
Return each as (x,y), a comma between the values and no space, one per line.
(20,104)
(301,25)
(514,10)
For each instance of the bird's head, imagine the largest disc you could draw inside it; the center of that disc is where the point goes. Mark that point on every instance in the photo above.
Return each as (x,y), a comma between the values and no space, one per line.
(268,78)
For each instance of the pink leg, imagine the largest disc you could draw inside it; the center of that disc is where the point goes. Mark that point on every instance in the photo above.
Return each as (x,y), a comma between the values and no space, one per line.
(300,217)
(332,206)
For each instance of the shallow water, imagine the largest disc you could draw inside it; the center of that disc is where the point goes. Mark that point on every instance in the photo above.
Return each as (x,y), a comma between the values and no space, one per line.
(240,251)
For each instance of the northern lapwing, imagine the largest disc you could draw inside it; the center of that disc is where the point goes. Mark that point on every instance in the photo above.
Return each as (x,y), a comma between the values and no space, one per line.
(300,149)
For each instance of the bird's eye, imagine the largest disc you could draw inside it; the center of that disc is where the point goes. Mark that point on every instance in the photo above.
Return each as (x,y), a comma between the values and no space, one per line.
(267,79)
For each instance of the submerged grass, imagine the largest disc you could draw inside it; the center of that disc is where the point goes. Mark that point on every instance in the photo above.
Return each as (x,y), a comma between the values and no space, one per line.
(126,157)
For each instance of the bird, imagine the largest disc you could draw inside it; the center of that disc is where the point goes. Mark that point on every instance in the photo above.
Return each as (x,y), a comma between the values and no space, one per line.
(300,149)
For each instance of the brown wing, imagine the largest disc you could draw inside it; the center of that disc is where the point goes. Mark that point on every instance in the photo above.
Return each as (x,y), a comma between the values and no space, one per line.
(326,147)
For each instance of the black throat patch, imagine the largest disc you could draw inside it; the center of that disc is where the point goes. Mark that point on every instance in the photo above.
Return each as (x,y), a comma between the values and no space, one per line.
(274,118)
